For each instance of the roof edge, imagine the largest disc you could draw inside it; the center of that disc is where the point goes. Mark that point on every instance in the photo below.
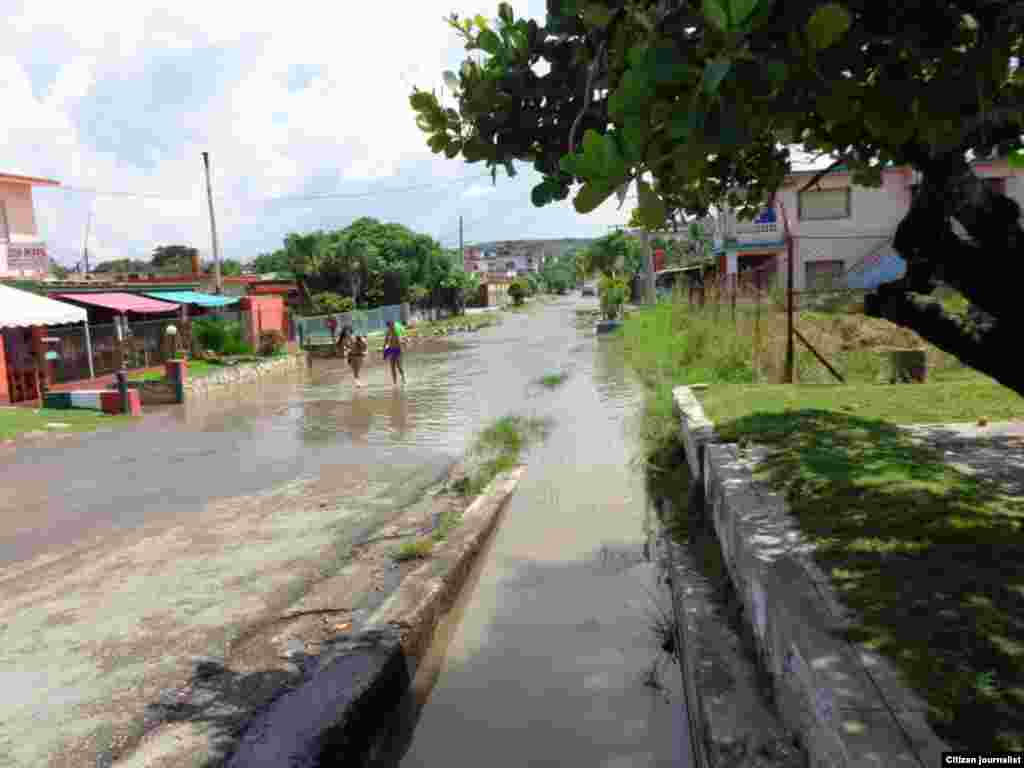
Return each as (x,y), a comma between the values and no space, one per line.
(35,181)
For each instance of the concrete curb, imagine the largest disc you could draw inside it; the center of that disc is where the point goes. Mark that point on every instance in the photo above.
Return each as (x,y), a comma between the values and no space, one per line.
(357,681)
(243,373)
(847,704)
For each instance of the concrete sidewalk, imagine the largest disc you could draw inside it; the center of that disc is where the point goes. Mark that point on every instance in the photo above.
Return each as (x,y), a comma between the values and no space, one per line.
(994,452)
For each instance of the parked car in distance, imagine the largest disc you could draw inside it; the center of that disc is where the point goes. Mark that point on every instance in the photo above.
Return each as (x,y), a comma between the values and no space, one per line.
(588,290)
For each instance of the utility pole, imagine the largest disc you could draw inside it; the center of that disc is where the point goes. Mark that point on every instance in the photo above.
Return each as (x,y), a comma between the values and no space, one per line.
(462,253)
(213,226)
(85,242)
(648,257)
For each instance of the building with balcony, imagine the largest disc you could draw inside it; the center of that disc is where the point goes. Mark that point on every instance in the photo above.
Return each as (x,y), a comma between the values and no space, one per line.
(842,232)
(23,253)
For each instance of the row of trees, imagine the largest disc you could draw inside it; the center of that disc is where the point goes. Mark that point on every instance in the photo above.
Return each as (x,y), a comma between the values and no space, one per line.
(369,264)
(698,102)
(167,259)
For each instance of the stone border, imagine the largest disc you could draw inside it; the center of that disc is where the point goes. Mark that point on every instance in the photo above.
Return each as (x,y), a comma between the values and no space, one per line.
(244,372)
(358,681)
(847,704)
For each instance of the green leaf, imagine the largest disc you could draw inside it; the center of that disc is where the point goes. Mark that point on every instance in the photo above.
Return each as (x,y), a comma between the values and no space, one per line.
(715,13)
(652,208)
(591,196)
(1016,159)
(596,16)
(489,42)
(828,25)
(665,64)
(683,126)
(480,21)
(714,72)
(740,10)
(776,71)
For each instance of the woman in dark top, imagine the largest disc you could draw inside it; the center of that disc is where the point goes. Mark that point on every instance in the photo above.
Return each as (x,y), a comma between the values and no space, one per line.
(354,347)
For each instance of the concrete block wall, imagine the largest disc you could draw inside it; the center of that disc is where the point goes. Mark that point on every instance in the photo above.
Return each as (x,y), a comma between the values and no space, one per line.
(848,705)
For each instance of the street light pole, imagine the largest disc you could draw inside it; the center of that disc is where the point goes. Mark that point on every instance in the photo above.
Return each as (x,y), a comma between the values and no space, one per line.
(213,226)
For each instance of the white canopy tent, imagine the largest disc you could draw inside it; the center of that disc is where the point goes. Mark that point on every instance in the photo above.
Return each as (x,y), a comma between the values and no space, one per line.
(20,309)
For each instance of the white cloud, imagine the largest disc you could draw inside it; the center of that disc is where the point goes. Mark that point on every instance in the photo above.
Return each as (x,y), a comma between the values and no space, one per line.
(124,98)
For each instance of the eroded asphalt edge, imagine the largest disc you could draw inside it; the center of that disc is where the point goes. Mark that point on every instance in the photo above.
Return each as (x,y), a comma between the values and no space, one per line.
(353,685)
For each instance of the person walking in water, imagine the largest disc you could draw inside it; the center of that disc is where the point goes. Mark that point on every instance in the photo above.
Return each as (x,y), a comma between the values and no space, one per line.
(354,347)
(393,352)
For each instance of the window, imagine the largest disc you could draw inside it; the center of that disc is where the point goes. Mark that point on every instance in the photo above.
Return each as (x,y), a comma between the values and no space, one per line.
(821,204)
(824,275)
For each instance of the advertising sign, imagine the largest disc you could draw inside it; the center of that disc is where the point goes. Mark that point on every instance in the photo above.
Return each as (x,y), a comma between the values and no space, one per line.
(29,257)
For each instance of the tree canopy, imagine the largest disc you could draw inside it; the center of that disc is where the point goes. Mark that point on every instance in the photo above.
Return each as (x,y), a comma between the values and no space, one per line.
(376,263)
(697,102)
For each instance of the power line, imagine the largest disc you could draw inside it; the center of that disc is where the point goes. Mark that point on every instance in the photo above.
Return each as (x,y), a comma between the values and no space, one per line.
(283,198)
(352,196)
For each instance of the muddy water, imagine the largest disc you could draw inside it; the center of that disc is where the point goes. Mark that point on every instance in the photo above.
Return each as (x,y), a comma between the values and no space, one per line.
(550,657)
(252,438)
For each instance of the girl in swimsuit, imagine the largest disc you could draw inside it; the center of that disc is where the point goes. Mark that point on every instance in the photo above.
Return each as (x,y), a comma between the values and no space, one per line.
(355,349)
(393,352)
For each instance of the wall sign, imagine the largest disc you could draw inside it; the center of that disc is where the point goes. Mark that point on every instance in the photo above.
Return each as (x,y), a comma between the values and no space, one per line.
(27,258)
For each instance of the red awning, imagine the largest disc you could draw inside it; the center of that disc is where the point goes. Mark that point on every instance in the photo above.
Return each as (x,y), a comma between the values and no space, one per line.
(122,302)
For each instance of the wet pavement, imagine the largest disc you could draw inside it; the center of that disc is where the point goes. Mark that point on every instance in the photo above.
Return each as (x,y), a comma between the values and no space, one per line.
(552,658)
(126,553)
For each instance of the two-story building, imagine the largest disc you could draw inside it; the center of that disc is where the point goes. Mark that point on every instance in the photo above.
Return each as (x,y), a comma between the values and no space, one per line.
(22,252)
(516,257)
(842,232)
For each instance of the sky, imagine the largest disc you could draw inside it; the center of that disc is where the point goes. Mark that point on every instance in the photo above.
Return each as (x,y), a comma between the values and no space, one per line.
(117,101)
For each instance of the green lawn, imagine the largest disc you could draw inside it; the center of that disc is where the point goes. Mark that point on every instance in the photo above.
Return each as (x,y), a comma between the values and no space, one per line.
(931,559)
(965,397)
(16,421)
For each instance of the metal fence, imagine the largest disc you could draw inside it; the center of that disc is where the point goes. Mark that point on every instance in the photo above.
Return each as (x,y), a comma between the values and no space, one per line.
(146,347)
(315,331)
(803,320)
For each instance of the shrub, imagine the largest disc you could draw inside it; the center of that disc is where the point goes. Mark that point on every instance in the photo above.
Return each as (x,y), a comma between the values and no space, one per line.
(614,292)
(518,290)
(210,333)
(328,303)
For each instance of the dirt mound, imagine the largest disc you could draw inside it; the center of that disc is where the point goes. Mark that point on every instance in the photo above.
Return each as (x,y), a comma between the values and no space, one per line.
(859,331)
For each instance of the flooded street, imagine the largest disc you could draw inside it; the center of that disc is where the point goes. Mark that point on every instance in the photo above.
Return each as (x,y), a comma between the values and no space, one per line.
(551,658)
(124,555)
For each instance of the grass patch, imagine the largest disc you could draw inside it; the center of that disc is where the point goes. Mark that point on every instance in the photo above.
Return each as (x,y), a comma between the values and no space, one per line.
(197,369)
(498,448)
(418,549)
(691,345)
(16,421)
(931,559)
(448,522)
(553,380)
(962,399)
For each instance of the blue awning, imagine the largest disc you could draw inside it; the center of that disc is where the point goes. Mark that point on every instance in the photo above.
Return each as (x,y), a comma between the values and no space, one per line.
(194,297)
